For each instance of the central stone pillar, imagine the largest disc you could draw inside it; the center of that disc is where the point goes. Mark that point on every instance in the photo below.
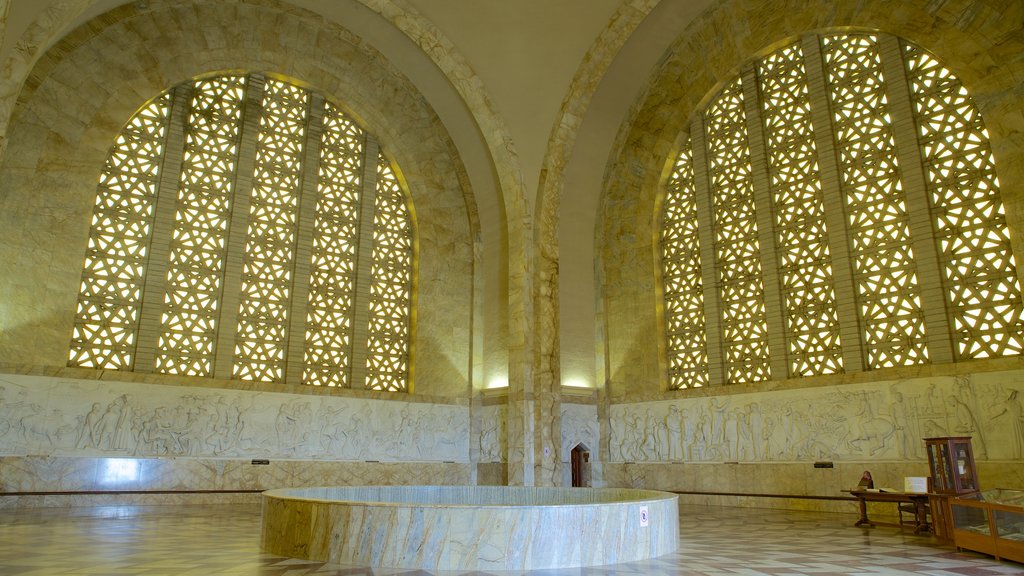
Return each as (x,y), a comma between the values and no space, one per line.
(533,426)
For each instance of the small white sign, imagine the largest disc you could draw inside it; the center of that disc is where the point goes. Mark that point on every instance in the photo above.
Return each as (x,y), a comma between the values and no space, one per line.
(644,518)
(915,484)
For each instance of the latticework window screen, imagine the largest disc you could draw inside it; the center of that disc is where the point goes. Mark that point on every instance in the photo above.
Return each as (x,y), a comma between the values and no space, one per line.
(391,290)
(256,150)
(328,351)
(737,252)
(969,218)
(686,325)
(805,263)
(884,264)
(851,106)
(198,245)
(110,297)
(261,341)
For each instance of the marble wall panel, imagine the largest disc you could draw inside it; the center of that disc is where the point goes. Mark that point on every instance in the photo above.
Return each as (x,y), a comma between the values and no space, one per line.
(70,474)
(787,485)
(880,421)
(493,437)
(49,416)
(65,480)
(491,474)
(114,500)
(579,425)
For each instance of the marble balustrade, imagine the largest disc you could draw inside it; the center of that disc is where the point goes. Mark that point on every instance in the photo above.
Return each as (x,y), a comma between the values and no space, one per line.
(470,527)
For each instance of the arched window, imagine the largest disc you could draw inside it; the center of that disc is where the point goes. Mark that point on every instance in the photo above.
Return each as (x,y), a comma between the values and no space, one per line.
(835,208)
(246,228)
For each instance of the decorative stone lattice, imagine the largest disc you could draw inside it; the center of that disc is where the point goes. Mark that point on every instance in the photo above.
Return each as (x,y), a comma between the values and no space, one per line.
(684,290)
(261,341)
(335,241)
(191,331)
(111,293)
(970,223)
(199,240)
(885,270)
(985,312)
(805,264)
(388,356)
(744,325)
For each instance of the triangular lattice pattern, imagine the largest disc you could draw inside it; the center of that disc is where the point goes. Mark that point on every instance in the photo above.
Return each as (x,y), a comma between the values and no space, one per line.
(744,322)
(805,264)
(387,360)
(981,277)
(864,198)
(681,277)
(106,323)
(261,339)
(199,240)
(206,238)
(884,265)
(335,239)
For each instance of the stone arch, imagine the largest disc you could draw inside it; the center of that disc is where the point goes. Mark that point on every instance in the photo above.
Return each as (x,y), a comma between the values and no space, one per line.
(82,90)
(970,40)
(29,47)
(551,191)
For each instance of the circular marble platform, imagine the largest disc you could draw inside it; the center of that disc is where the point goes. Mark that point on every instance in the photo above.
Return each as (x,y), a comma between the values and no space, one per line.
(469,527)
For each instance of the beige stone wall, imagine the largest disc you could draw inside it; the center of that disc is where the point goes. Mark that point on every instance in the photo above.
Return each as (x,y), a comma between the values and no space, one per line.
(65,481)
(489,290)
(766,443)
(83,89)
(980,41)
(787,485)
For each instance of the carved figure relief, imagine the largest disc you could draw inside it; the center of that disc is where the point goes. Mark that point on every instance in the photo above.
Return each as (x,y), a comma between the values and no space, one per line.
(872,434)
(1012,413)
(58,418)
(492,434)
(674,431)
(876,421)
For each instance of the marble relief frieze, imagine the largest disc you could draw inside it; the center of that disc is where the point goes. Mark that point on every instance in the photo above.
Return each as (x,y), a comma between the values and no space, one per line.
(493,436)
(876,421)
(61,417)
(579,426)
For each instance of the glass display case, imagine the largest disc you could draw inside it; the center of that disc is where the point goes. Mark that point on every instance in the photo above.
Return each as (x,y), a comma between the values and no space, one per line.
(991,522)
(951,461)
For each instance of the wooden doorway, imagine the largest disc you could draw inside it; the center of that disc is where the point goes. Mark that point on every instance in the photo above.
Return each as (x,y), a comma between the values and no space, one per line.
(580,461)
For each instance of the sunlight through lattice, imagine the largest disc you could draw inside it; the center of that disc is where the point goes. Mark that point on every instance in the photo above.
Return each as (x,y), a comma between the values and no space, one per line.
(217,229)
(391,289)
(261,341)
(107,320)
(981,277)
(812,321)
(865,199)
(681,276)
(335,237)
(884,266)
(744,323)
(199,239)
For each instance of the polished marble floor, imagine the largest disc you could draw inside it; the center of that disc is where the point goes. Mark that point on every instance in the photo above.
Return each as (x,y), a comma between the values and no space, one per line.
(224,540)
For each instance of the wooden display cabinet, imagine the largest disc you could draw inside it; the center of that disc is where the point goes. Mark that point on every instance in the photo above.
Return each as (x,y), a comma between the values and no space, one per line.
(951,461)
(991,522)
